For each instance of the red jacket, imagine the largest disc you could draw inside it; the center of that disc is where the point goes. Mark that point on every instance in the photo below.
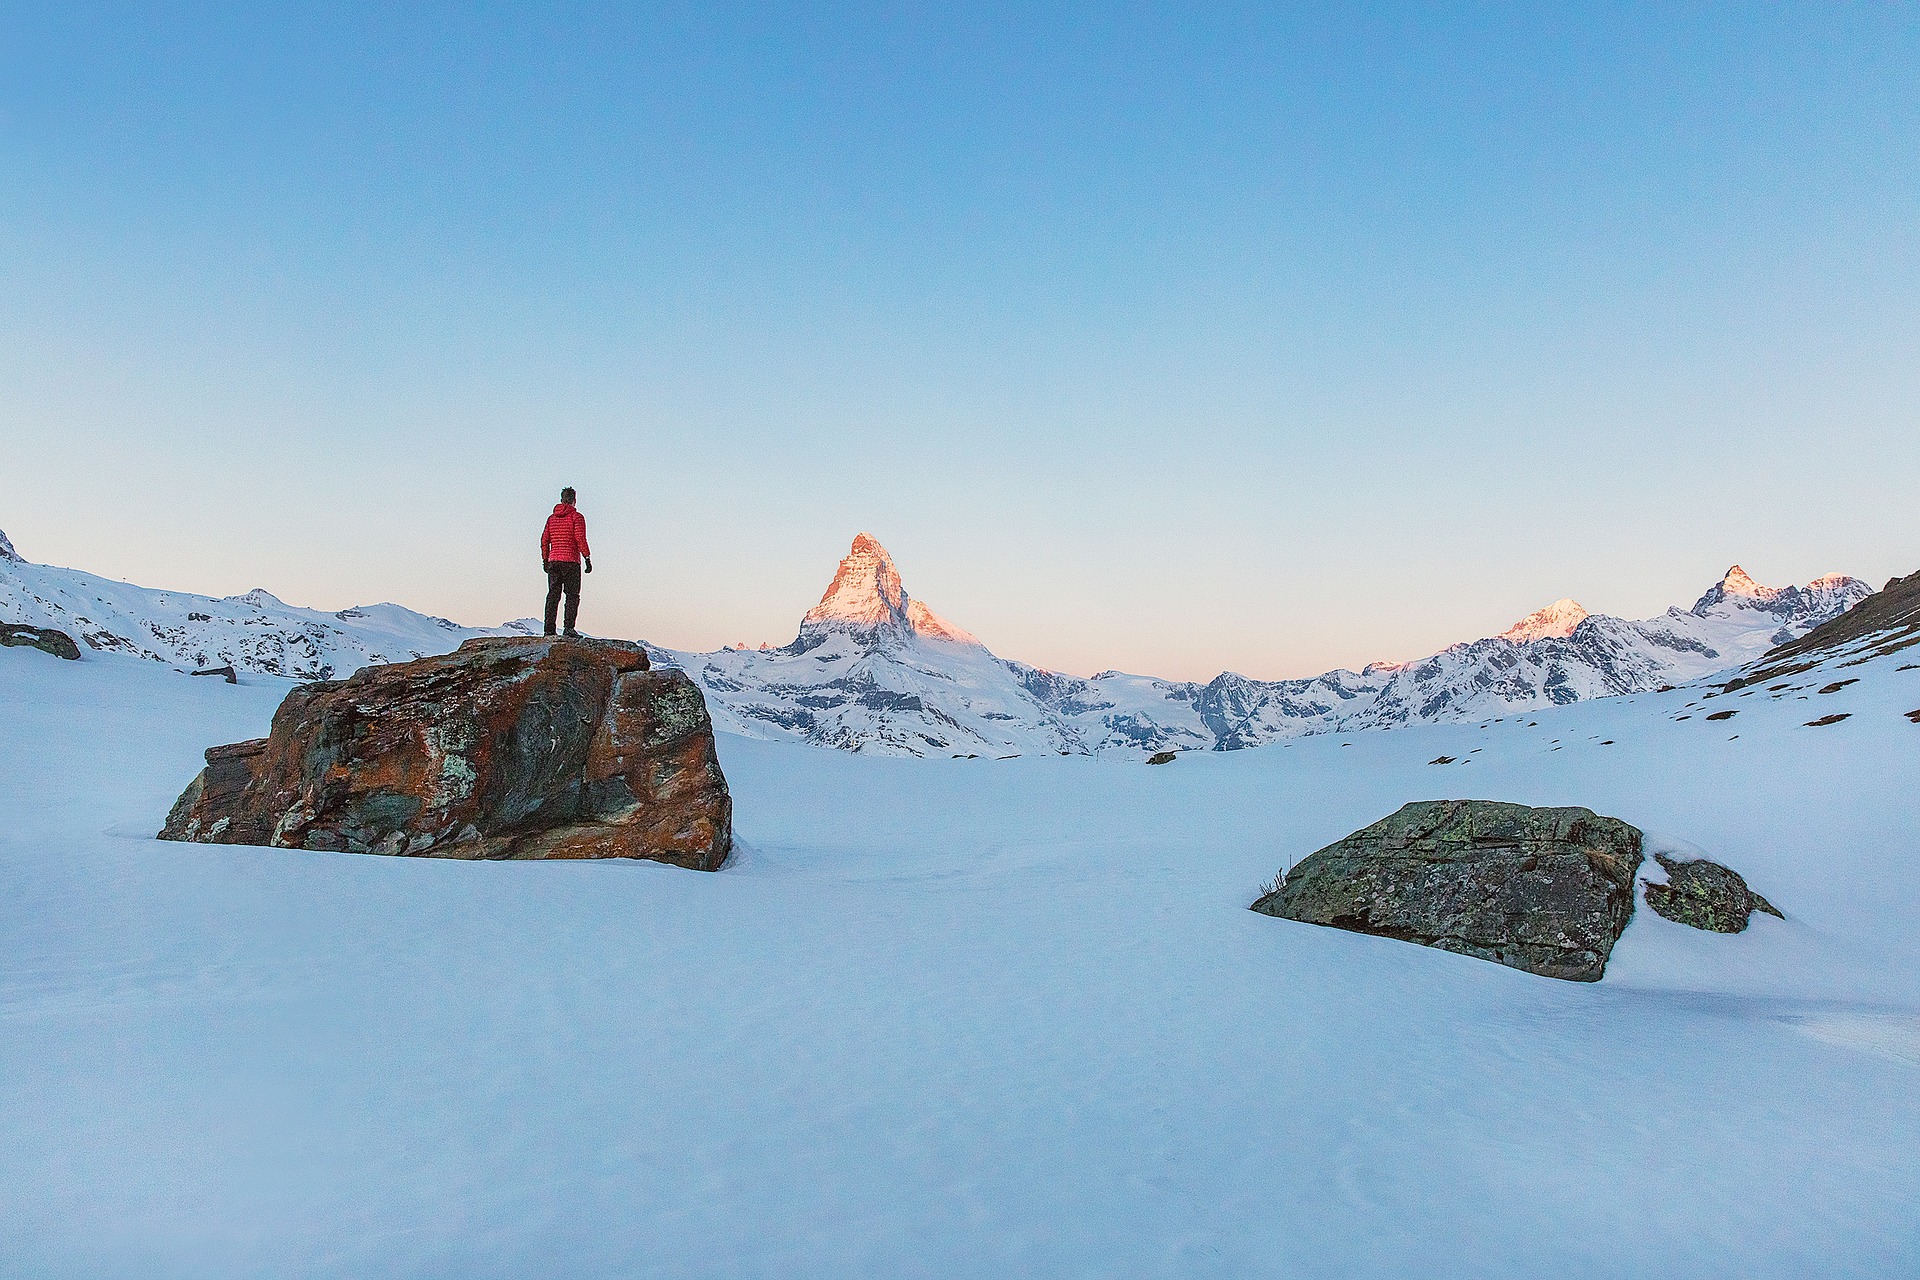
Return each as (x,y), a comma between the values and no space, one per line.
(565,537)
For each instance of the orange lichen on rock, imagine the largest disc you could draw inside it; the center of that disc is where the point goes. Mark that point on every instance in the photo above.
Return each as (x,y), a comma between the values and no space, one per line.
(506,748)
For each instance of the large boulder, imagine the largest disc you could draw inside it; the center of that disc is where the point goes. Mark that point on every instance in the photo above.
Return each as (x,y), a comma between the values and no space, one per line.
(1545,890)
(1705,895)
(509,747)
(45,639)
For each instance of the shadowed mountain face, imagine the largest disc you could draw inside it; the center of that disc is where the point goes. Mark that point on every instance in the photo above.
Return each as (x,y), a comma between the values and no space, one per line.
(874,669)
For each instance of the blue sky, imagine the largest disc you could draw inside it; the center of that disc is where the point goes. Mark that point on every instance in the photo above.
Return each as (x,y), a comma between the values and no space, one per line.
(1168,339)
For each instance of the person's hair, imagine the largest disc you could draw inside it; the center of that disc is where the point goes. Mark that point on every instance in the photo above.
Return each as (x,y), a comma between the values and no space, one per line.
(567,495)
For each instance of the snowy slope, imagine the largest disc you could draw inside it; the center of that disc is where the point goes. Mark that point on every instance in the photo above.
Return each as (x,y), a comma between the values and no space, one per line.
(959,1018)
(253,632)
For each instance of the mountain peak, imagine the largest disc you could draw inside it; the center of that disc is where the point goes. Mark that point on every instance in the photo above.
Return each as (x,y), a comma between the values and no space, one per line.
(865,589)
(1557,619)
(866,594)
(1735,582)
(1736,588)
(7,553)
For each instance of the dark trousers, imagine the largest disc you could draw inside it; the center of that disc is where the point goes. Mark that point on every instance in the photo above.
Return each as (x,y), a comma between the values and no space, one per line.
(563,575)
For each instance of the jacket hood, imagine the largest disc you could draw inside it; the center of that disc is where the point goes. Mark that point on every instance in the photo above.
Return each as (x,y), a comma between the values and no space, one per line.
(559,507)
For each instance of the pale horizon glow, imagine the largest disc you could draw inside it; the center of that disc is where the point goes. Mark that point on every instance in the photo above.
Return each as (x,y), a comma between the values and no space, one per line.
(1164,343)
(1517,631)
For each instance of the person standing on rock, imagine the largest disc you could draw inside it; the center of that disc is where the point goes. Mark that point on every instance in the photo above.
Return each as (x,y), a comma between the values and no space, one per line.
(564,555)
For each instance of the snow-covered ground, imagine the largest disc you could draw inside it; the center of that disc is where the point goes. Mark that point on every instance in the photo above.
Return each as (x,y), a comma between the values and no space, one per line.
(957,1018)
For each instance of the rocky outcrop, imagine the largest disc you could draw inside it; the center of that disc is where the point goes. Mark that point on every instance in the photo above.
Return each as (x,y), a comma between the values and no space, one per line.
(45,639)
(1705,895)
(506,748)
(1544,890)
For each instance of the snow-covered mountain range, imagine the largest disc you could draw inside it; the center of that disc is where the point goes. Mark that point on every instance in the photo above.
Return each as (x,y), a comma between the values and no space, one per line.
(252,632)
(873,669)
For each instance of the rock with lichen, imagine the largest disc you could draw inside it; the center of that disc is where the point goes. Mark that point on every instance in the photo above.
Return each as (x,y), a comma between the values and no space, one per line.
(506,748)
(1544,890)
(1705,895)
(45,639)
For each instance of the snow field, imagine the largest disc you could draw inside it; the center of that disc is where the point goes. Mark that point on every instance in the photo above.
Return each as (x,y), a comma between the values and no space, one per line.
(955,1018)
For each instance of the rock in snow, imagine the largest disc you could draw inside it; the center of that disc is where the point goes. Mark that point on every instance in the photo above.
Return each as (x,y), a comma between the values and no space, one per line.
(1705,895)
(506,748)
(1545,890)
(45,639)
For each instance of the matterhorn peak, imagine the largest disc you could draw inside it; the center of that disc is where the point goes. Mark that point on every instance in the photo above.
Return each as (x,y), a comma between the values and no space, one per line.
(865,589)
(866,595)
(7,553)
(1558,619)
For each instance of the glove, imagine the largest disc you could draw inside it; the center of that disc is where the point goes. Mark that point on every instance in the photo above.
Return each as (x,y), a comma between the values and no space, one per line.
(589,566)
(546,566)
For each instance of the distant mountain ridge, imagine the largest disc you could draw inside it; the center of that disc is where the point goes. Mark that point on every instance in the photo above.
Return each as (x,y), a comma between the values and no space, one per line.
(252,632)
(874,669)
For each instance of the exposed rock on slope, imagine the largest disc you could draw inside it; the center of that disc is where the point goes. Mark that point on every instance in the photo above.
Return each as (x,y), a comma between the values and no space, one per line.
(45,639)
(1705,895)
(507,748)
(1545,890)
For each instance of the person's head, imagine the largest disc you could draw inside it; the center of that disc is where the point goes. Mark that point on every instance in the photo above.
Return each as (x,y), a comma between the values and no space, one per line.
(567,495)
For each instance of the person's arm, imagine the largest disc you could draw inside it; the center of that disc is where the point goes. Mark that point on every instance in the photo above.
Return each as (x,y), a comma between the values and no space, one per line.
(586,555)
(546,545)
